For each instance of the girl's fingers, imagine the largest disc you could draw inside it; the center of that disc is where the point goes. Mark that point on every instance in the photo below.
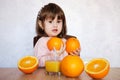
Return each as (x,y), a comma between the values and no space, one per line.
(62,49)
(71,53)
(76,52)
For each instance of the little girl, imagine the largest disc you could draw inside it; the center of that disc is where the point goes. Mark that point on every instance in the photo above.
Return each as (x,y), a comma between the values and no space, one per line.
(50,22)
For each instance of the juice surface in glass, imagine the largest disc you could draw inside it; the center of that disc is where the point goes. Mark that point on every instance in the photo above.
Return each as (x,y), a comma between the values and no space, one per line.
(52,66)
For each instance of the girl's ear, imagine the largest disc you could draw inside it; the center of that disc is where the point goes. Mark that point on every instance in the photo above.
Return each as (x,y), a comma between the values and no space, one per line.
(40,24)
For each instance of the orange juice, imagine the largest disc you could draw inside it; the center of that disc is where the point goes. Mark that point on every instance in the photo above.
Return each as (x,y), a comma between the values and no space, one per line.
(52,66)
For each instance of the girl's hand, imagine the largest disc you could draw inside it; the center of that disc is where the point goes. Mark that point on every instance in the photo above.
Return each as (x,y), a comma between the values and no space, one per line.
(76,52)
(61,51)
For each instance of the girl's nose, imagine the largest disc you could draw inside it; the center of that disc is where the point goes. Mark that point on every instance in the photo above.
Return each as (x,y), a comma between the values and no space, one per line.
(55,24)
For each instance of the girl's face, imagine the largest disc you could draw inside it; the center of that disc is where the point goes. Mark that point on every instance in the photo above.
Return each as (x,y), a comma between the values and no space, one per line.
(53,27)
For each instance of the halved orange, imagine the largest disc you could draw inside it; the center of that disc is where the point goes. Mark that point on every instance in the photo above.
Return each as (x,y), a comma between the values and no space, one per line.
(97,68)
(28,64)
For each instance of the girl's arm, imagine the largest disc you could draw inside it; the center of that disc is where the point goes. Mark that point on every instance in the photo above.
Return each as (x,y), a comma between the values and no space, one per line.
(41,51)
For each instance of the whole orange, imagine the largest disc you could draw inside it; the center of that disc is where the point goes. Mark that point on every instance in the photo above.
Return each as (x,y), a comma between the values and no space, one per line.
(97,68)
(54,42)
(71,66)
(72,44)
(28,64)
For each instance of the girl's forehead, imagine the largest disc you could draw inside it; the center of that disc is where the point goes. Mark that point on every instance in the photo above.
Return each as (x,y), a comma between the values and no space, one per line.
(53,17)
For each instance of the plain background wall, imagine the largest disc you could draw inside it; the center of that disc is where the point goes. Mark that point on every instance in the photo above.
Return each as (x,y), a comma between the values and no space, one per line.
(96,23)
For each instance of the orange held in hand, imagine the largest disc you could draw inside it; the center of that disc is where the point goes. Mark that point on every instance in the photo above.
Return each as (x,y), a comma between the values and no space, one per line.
(97,68)
(72,66)
(72,44)
(28,64)
(54,42)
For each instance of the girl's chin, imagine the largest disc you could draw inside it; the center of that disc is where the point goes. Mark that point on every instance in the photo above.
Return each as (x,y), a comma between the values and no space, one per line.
(53,35)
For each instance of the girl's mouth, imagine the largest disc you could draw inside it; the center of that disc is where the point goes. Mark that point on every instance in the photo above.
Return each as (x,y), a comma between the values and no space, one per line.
(55,30)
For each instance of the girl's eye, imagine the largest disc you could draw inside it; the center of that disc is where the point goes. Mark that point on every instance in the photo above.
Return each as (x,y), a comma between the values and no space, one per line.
(59,21)
(50,21)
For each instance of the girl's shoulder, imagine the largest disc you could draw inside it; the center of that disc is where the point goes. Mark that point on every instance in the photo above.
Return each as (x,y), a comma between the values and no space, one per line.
(43,39)
(35,39)
(39,39)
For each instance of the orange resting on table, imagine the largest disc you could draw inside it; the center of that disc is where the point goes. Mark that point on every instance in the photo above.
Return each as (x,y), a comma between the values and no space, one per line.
(54,42)
(97,68)
(28,64)
(71,66)
(72,44)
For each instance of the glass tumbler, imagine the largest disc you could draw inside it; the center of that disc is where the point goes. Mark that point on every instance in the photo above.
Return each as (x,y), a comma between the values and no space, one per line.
(52,65)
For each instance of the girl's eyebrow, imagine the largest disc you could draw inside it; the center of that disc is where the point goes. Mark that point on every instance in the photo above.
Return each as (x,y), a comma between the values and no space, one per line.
(48,18)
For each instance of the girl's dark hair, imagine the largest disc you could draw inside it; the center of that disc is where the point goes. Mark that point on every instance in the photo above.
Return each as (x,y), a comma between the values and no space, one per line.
(50,10)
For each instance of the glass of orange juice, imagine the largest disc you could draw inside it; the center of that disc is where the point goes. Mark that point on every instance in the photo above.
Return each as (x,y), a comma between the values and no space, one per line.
(52,65)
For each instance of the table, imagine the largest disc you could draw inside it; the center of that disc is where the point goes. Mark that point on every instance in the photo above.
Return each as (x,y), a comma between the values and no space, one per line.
(40,74)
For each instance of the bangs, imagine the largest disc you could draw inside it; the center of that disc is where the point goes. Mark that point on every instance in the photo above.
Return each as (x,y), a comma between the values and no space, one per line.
(51,11)
(53,15)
